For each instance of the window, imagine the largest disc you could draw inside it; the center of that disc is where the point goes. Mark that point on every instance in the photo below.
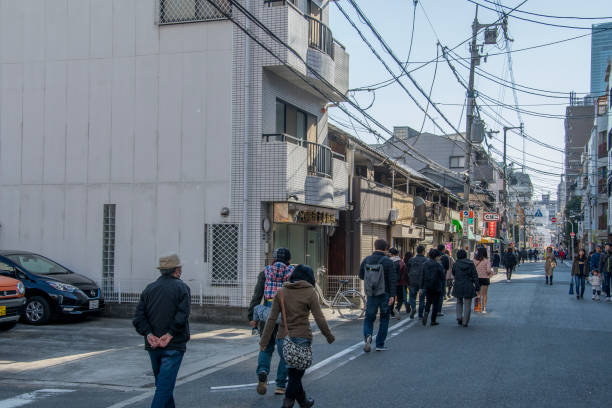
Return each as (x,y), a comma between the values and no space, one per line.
(108,248)
(295,122)
(223,253)
(457,162)
(182,11)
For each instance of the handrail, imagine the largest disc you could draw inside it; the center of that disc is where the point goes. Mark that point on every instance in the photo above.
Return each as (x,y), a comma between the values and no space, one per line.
(282,137)
(320,157)
(320,36)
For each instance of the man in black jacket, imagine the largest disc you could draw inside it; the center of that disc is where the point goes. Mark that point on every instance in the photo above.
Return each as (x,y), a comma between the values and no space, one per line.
(383,301)
(445,262)
(431,284)
(510,261)
(415,274)
(162,317)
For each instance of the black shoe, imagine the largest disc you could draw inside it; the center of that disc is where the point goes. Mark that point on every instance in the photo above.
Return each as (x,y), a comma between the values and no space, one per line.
(304,401)
(459,322)
(412,313)
(425,315)
(434,323)
(262,383)
(288,403)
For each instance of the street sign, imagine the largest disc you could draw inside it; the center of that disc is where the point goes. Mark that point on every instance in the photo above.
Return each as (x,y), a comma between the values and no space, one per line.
(553,219)
(466,213)
(572,234)
(492,229)
(538,213)
(490,217)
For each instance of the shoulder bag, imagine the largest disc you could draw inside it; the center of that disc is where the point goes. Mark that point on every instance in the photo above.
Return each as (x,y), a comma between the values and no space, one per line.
(296,355)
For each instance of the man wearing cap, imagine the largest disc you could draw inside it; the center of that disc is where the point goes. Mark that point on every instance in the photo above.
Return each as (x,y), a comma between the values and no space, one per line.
(274,276)
(162,317)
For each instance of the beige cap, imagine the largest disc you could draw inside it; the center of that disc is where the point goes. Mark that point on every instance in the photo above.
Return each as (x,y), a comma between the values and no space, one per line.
(169,262)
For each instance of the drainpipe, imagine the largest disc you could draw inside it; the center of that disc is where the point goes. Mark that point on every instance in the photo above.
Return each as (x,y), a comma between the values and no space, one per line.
(245,158)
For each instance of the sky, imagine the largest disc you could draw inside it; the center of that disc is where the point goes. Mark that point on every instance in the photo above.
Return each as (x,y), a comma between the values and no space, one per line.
(560,68)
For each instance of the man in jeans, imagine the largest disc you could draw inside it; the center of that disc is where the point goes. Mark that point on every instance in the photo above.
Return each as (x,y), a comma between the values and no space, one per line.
(383,302)
(162,317)
(606,269)
(415,274)
(274,276)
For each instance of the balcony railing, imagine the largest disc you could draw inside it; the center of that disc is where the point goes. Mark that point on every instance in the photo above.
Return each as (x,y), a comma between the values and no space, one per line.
(602,150)
(320,36)
(320,158)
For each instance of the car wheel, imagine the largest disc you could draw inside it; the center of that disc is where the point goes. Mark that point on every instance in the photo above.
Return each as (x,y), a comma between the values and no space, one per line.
(7,326)
(37,310)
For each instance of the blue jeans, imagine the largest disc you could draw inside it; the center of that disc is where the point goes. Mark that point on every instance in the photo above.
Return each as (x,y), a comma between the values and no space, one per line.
(372,305)
(413,296)
(580,284)
(264,361)
(165,364)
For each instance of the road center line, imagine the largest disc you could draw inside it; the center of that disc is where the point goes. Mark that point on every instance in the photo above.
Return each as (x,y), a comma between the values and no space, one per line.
(30,397)
(408,323)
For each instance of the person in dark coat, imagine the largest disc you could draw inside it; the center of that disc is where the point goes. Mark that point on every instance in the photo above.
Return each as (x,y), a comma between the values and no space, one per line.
(415,275)
(431,284)
(402,280)
(466,286)
(510,261)
(495,262)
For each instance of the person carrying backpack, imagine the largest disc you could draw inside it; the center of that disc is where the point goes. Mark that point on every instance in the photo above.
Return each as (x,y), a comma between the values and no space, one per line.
(380,282)
(415,275)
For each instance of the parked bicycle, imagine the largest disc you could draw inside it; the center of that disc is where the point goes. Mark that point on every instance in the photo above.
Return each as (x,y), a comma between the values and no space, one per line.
(349,303)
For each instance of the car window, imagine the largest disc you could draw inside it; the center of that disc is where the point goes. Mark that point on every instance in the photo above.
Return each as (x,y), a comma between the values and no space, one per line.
(37,264)
(6,270)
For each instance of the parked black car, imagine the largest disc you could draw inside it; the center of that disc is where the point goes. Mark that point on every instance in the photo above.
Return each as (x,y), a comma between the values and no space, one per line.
(51,289)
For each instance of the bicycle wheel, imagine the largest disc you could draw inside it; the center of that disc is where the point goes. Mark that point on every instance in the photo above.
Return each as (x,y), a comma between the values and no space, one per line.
(350,304)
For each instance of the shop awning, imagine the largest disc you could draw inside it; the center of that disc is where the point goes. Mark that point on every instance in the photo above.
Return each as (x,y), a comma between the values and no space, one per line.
(487,240)
(458,225)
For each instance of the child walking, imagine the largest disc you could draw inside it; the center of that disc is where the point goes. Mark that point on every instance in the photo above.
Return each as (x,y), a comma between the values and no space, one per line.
(595,280)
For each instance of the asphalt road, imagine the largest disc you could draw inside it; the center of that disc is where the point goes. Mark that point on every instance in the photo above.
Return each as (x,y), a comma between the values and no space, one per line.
(536,347)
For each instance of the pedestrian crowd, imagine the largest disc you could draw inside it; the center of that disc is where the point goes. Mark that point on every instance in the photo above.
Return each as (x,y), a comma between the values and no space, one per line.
(596,268)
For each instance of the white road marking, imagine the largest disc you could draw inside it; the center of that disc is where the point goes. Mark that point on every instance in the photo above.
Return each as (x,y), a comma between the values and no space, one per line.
(30,397)
(328,360)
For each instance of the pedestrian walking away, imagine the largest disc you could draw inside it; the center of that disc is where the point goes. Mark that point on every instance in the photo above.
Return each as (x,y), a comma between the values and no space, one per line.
(402,281)
(431,284)
(580,271)
(162,317)
(415,275)
(510,261)
(595,282)
(549,266)
(449,275)
(483,268)
(274,277)
(297,300)
(445,262)
(466,286)
(380,282)
(606,269)
(495,262)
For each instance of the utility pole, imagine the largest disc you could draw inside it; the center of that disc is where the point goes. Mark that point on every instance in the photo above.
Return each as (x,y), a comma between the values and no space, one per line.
(474,60)
(506,129)
(471,102)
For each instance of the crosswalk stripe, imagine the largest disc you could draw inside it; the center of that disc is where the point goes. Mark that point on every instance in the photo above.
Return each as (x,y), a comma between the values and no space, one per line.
(30,397)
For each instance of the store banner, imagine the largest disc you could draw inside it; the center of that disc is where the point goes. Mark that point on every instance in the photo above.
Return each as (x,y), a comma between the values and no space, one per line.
(492,229)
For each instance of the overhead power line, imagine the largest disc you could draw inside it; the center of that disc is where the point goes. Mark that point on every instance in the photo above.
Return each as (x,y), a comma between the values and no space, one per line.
(550,16)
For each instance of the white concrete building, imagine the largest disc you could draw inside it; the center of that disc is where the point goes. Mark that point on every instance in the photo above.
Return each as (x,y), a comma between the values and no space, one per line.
(129,127)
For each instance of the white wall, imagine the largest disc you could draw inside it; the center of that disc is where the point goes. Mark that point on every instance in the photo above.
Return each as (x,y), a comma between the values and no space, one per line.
(100,105)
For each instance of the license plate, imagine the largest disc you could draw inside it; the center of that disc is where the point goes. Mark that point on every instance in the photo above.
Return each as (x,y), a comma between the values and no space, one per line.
(94,304)
(2,310)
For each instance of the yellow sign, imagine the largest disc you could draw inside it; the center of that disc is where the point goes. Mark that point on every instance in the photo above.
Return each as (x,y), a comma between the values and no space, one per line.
(2,310)
(285,213)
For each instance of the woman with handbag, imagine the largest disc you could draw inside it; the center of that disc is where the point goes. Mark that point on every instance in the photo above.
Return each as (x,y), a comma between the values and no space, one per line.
(483,268)
(296,300)
(549,266)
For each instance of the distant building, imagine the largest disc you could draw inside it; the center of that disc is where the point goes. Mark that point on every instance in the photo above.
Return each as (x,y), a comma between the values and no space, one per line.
(601,52)
(578,127)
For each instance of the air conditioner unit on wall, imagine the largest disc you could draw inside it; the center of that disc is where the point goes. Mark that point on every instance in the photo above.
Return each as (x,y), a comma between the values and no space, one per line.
(393,215)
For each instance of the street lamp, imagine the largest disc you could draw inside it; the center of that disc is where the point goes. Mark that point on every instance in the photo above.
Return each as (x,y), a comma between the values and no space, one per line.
(571,218)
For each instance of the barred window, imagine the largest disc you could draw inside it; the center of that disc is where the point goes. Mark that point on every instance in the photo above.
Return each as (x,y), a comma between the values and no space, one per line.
(222,253)
(108,248)
(183,11)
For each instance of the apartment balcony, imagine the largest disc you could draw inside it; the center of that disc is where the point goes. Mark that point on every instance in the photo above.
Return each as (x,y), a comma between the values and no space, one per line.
(303,172)
(327,61)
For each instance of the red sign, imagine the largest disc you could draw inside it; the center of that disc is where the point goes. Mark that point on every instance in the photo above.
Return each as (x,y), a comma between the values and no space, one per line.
(572,234)
(553,220)
(492,229)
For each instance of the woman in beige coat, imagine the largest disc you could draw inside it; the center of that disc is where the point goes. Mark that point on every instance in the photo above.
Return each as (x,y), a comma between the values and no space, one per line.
(550,266)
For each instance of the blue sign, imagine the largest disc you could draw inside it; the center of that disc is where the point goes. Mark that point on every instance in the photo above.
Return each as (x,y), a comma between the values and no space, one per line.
(538,213)
(466,213)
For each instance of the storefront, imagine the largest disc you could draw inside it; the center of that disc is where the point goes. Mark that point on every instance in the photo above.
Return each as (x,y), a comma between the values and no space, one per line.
(406,238)
(305,230)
